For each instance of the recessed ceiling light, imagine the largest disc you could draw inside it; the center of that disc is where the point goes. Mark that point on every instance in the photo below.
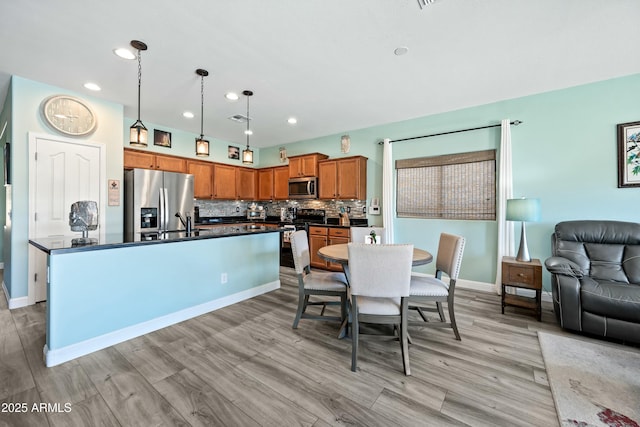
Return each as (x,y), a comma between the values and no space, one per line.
(92,86)
(188,114)
(292,120)
(231,96)
(124,53)
(399,51)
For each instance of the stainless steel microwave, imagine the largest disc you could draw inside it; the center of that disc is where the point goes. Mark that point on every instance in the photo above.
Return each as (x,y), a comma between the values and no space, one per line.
(303,188)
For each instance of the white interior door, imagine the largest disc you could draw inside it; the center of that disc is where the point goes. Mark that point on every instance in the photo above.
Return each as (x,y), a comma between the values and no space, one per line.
(63,172)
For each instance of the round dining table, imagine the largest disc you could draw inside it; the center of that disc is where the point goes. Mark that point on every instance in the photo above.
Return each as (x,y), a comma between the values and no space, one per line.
(340,254)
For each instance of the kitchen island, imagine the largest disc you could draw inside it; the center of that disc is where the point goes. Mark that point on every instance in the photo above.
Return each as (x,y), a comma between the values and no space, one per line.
(102,294)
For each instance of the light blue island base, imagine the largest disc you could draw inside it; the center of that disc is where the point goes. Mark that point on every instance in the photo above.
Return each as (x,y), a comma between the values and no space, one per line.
(98,298)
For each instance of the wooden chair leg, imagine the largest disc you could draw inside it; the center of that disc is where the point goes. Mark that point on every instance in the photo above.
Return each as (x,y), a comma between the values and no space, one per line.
(421,313)
(301,306)
(355,331)
(452,317)
(404,336)
(441,312)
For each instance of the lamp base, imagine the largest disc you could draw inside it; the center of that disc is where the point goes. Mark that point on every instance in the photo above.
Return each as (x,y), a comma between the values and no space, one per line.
(523,251)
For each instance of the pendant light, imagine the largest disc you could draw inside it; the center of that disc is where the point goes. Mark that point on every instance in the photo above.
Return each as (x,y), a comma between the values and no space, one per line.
(202,145)
(247,154)
(138,132)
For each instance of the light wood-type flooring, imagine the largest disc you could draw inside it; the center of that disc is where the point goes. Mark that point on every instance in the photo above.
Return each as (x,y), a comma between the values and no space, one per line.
(245,366)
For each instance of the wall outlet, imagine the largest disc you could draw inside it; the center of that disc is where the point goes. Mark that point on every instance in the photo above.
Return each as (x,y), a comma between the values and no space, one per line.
(223,278)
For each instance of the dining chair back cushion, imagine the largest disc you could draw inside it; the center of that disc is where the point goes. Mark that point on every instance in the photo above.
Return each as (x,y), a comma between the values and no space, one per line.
(359,234)
(382,271)
(300,250)
(449,256)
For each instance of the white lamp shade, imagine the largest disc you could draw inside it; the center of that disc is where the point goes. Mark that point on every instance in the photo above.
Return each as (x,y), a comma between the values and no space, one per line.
(523,210)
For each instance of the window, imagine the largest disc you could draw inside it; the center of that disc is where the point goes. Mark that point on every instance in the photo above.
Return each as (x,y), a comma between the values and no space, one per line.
(455,186)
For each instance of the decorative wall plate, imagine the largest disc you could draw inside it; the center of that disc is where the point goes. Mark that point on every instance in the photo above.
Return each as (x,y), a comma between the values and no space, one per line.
(69,115)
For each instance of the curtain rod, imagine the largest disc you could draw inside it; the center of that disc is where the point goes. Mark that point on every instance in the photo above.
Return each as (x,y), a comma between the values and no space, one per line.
(515,123)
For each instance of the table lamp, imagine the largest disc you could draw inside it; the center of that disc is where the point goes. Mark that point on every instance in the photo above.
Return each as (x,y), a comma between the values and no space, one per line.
(523,210)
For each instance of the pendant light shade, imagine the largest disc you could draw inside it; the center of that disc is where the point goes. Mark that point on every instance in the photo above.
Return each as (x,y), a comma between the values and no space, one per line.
(138,133)
(247,154)
(202,145)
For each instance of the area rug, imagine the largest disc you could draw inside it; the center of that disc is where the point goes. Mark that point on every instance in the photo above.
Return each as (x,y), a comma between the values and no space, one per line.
(593,384)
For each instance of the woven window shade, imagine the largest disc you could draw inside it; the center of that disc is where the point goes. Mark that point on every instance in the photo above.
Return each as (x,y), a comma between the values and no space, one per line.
(458,186)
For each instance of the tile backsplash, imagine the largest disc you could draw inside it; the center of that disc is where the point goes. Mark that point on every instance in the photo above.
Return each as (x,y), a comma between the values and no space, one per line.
(213,208)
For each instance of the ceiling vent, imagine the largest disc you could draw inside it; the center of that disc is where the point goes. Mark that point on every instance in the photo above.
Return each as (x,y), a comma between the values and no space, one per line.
(239,118)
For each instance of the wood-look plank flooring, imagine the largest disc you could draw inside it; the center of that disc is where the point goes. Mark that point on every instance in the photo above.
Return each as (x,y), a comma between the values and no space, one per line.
(244,365)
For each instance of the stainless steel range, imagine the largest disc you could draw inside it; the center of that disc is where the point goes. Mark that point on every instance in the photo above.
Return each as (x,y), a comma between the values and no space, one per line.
(299,221)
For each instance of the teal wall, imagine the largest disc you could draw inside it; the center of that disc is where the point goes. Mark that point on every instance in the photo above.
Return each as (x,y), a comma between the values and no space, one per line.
(564,153)
(5,191)
(27,97)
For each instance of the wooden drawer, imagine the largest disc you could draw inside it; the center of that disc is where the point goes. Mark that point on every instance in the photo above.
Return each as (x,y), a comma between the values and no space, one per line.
(523,275)
(339,232)
(318,231)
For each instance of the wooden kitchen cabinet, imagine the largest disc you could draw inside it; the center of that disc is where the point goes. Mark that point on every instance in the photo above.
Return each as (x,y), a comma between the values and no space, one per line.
(344,178)
(317,239)
(265,184)
(171,163)
(134,159)
(146,160)
(246,183)
(281,183)
(202,178)
(320,237)
(224,182)
(336,237)
(273,183)
(305,166)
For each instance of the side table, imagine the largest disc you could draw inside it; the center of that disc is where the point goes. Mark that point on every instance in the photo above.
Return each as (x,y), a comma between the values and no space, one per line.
(526,275)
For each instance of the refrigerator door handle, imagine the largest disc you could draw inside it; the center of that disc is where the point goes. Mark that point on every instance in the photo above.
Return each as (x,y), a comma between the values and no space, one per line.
(161,225)
(165,208)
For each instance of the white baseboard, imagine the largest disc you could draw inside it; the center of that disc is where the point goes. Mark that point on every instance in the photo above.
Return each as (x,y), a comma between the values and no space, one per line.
(490,287)
(14,302)
(64,354)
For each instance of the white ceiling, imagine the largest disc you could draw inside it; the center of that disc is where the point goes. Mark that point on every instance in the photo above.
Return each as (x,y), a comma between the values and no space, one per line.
(330,63)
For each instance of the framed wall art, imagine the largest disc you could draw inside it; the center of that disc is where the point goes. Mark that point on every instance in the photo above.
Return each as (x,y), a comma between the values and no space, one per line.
(629,154)
(162,138)
(234,152)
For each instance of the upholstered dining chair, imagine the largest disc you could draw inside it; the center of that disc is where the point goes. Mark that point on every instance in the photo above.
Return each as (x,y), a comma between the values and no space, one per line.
(427,290)
(358,234)
(317,284)
(379,278)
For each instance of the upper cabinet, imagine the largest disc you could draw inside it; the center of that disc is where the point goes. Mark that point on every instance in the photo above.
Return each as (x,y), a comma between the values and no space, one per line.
(305,166)
(146,160)
(224,182)
(344,178)
(273,183)
(247,181)
(281,183)
(265,184)
(202,178)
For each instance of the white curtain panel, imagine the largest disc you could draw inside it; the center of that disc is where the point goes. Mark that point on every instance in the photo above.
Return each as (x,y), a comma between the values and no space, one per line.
(505,191)
(387,191)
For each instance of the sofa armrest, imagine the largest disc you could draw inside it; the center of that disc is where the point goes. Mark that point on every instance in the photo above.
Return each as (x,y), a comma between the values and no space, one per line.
(563,266)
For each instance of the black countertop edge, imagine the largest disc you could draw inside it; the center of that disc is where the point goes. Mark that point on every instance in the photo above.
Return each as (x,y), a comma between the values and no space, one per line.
(178,237)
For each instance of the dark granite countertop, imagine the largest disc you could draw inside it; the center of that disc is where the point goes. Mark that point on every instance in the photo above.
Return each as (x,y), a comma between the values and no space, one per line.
(65,244)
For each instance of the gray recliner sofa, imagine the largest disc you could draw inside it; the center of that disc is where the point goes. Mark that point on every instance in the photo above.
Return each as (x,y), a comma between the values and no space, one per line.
(595,277)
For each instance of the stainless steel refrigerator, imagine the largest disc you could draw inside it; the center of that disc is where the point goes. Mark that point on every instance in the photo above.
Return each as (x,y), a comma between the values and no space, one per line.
(152,200)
